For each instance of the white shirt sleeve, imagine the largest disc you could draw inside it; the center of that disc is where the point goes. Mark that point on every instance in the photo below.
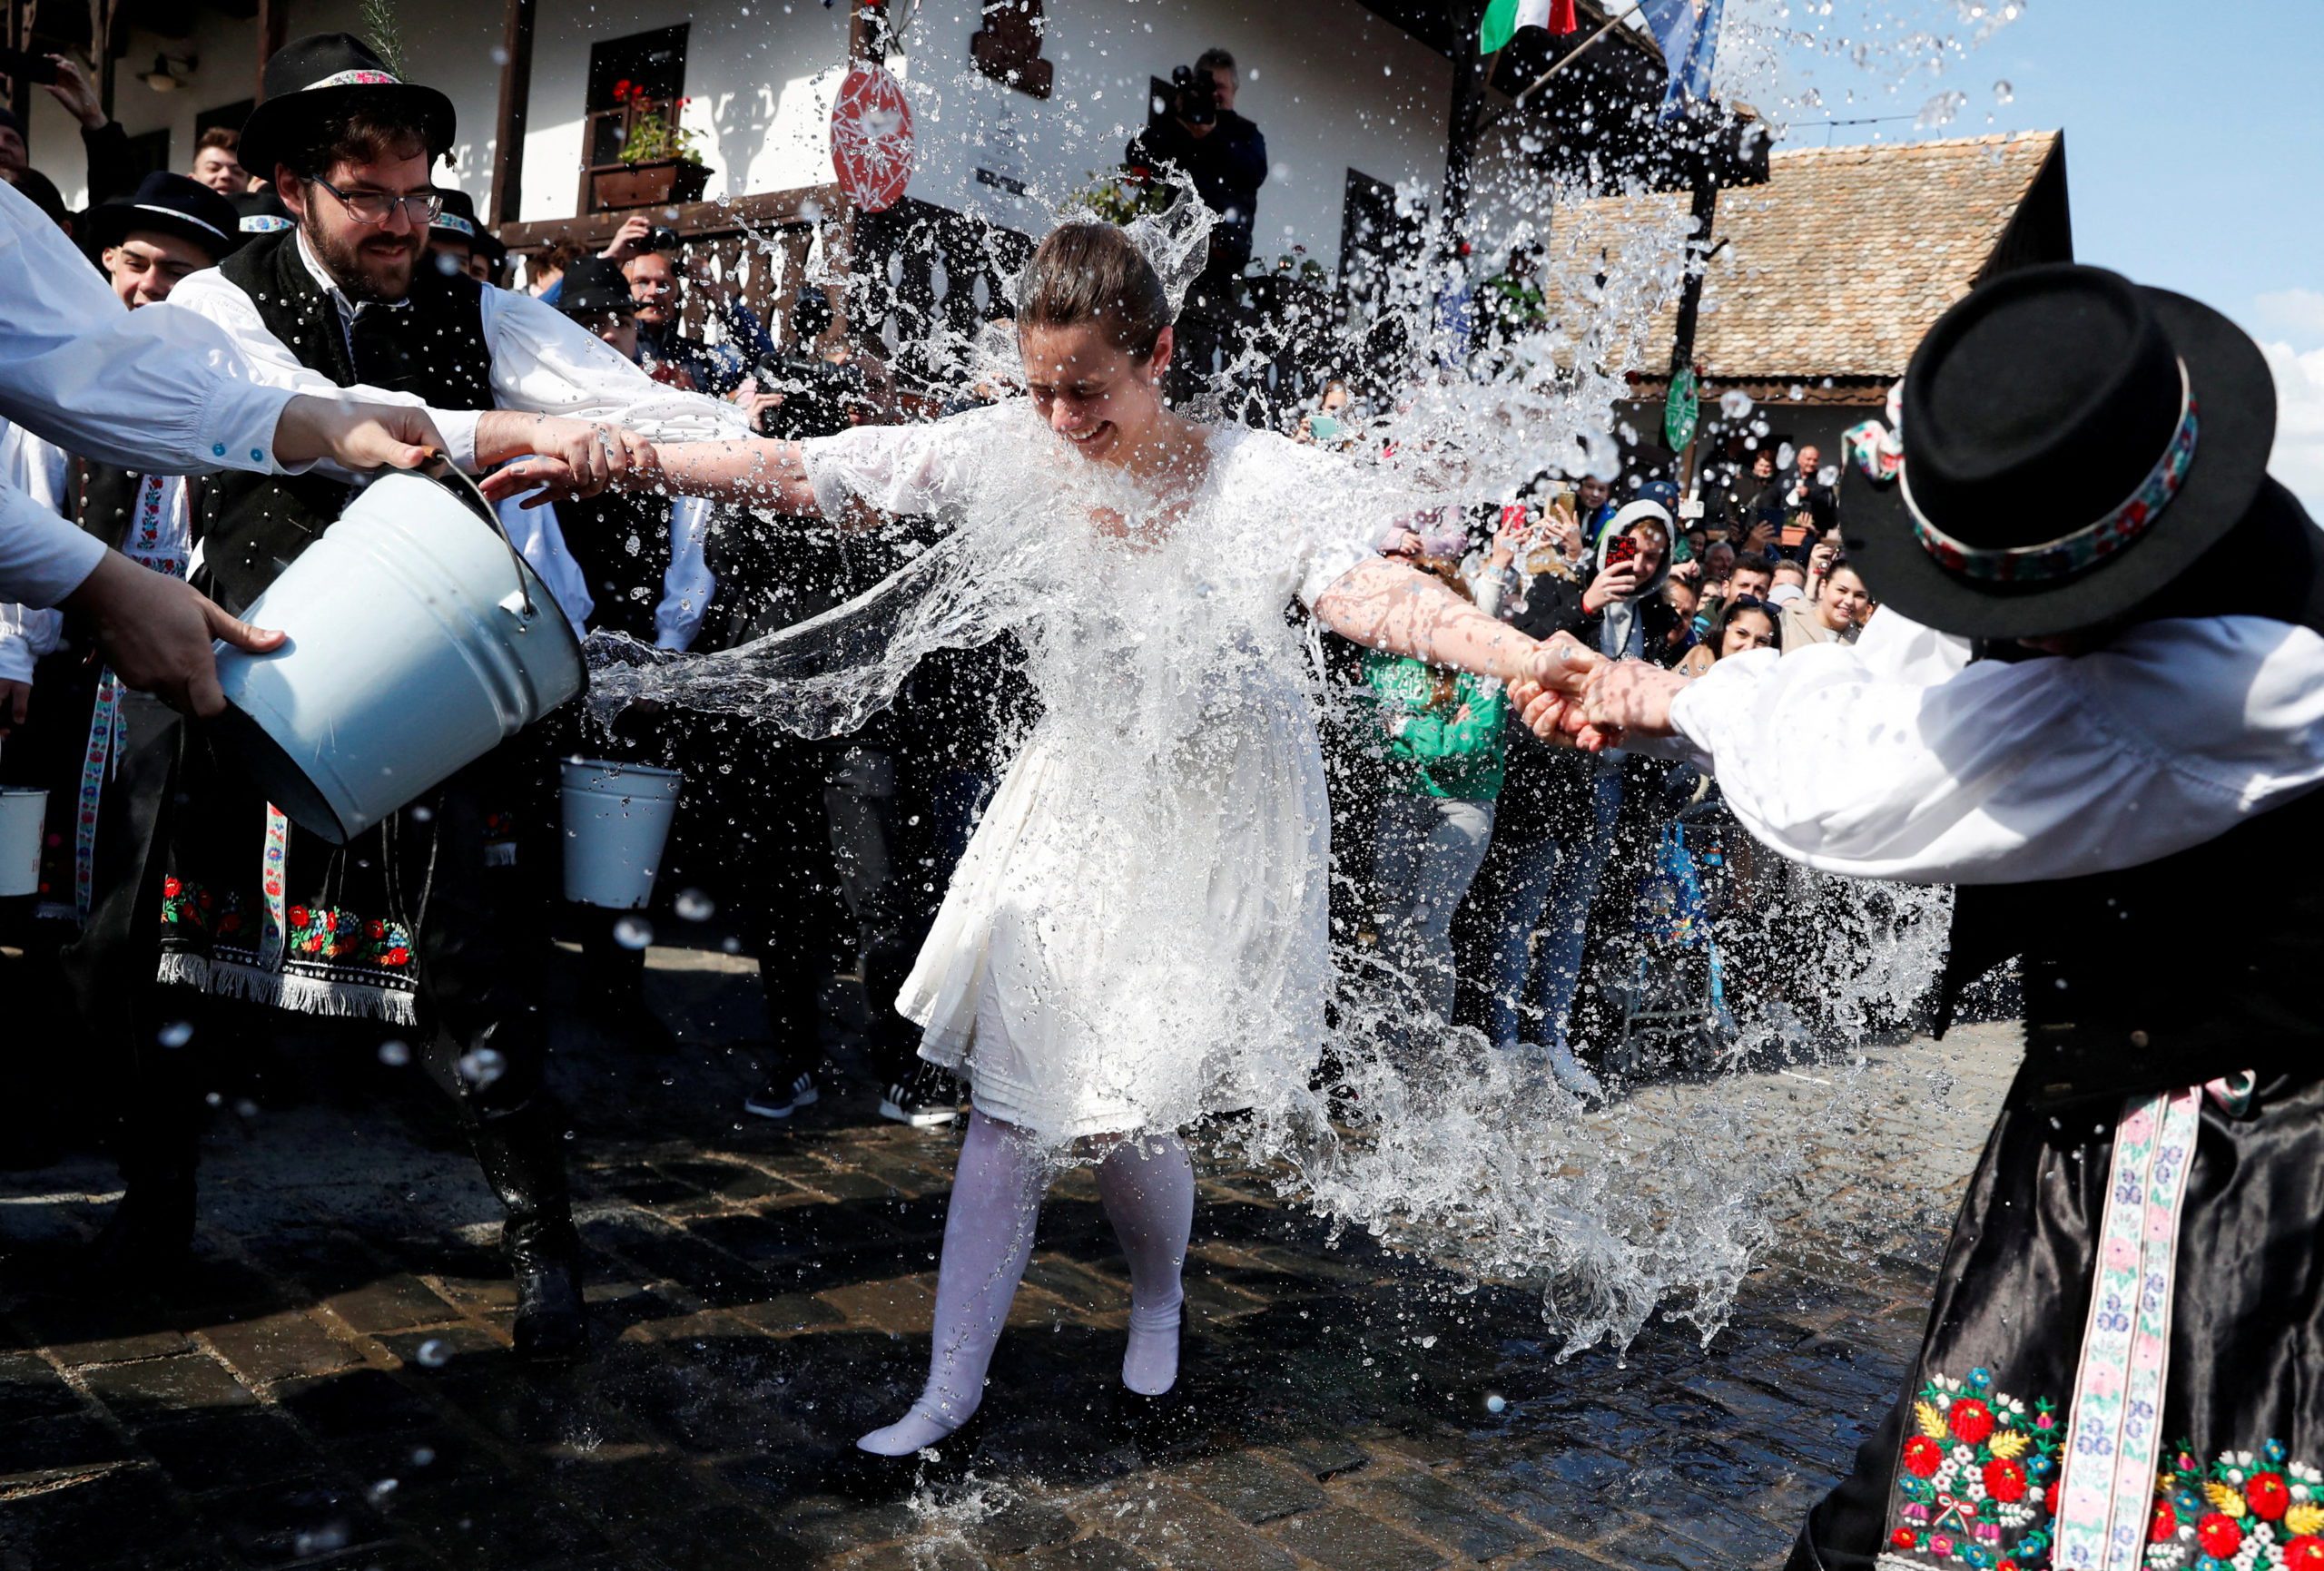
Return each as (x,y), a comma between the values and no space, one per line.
(210,295)
(42,558)
(545,362)
(42,470)
(1882,762)
(688,586)
(162,393)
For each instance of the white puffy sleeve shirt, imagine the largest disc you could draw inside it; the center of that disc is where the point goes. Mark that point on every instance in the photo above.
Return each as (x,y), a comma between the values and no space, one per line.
(159,393)
(1897,758)
(542,363)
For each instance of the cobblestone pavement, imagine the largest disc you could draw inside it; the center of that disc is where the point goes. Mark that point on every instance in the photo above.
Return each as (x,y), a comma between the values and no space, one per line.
(332,1386)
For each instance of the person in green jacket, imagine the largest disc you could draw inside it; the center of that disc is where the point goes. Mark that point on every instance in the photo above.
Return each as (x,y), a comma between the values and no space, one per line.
(1442,740)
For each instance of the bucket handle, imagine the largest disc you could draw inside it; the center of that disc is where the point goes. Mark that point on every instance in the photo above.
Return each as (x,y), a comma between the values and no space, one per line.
(446,473)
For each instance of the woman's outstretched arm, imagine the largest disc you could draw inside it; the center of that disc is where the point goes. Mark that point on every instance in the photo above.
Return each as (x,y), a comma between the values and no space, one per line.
(754,471)
(1385,604)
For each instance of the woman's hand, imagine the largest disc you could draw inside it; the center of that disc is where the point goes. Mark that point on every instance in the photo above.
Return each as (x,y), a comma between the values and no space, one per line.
(582,457)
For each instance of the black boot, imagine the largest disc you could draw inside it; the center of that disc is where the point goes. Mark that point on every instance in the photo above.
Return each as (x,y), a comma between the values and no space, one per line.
(150,1235)
(524,1162)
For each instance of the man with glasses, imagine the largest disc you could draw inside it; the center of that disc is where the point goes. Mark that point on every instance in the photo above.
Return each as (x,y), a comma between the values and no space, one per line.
(427,924)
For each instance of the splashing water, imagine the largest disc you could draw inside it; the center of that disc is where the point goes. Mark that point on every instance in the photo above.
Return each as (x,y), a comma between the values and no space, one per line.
(1149,895)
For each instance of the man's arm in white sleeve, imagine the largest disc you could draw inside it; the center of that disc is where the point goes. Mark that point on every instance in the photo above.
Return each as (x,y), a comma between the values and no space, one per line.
(2007,772)
(217,300)
(42,558)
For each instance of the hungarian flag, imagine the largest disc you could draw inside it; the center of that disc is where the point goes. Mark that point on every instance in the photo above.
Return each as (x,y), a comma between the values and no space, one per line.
(1504,17)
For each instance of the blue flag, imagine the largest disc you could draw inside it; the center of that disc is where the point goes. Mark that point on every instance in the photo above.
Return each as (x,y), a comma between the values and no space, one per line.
(1687,31)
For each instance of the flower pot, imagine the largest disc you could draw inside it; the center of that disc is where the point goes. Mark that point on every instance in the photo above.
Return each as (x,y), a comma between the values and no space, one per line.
(664,182)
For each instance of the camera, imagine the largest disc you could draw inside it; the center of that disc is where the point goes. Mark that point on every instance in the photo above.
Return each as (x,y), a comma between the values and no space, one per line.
(1193,95)
(663,238)
(38,70)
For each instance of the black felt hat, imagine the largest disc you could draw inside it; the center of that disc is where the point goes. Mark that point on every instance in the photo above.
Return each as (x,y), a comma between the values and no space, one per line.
(2073,443)
(459,218)
(329,75)
(174,205)
(595,287)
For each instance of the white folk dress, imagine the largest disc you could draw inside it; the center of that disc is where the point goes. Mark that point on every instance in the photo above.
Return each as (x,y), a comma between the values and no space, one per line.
(1137,935)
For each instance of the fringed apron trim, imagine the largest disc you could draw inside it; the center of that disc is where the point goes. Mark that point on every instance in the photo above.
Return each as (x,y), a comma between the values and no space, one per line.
(306,995)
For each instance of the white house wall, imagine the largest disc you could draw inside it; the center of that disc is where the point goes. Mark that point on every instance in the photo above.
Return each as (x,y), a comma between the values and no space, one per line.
(1332,86)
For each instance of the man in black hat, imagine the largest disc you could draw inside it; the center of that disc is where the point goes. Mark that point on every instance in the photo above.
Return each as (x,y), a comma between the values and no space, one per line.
(171,228)
(404,926)
(458,240)
(2094,699)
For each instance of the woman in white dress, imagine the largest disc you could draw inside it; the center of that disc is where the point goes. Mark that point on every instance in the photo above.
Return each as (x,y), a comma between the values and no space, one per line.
(1137,935)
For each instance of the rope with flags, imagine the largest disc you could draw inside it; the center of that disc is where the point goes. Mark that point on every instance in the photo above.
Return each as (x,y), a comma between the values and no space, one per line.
(1686,30)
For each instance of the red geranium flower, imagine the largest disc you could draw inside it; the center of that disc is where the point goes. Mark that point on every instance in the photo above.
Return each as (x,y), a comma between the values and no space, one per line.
(399,956)
(2004,1481)
(2218,1535)
(170,886)
(1923,1456)
(1902,1539)
(2166,1522)
(2270,1499)
(2305,1553)
(298,916)
(1972,1421)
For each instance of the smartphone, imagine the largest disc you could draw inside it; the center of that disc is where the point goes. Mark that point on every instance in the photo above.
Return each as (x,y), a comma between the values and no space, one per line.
(37,69)
(1623,549)
(1324,427)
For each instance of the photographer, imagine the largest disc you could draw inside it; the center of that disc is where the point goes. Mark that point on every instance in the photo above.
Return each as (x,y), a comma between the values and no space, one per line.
(649,262)
(1220,150)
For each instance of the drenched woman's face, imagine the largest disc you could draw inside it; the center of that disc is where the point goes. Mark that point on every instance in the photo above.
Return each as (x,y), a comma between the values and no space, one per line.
(1090,391)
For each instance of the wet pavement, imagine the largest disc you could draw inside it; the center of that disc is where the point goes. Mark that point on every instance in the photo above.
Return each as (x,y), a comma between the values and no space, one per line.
(332,1386)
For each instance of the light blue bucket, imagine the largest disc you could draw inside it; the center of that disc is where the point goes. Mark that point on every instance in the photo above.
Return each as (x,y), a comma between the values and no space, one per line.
(618,819)
(420,641)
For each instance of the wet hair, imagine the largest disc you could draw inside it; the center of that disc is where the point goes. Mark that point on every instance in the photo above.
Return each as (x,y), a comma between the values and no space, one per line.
(364,137)
(1091,272)
(225,138)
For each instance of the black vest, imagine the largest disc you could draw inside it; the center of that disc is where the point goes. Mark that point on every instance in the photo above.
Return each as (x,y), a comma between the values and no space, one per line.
(2169,974)
(252,526)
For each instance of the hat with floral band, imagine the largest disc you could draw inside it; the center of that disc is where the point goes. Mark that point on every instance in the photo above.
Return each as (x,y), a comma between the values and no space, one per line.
(2067,444)
(335,74)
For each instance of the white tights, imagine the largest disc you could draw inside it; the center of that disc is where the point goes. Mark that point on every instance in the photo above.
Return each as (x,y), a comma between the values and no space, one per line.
(1147,1185)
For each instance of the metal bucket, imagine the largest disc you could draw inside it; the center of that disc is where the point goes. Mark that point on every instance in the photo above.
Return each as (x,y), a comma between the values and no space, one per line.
(23,815)
(420,641)
(618,819)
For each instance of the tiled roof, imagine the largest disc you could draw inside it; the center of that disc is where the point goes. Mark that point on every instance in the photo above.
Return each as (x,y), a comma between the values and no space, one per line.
(1836,266)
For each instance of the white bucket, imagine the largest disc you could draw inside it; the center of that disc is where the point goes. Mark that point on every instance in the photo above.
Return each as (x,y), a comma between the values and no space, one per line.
(23,815)
(418,642)
(617,821)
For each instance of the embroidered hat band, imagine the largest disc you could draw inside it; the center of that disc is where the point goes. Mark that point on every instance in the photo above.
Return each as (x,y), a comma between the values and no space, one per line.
(2085,548)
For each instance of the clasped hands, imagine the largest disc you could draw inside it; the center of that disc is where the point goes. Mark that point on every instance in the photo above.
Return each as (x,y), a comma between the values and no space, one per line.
(1573,696)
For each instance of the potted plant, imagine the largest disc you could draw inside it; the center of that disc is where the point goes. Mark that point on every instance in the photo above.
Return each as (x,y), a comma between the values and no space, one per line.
(659,164)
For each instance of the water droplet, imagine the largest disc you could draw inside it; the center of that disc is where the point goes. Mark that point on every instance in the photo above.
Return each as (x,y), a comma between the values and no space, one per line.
(1828,475)
(1496,1402)
(693,905)
(381,1489)
(632,932)
(2003,92)
(423,1455)
(420,815)
(481,1067)
(1735,403)
(176,1034)
(432,1354)
(394,1053)
(1940,110)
